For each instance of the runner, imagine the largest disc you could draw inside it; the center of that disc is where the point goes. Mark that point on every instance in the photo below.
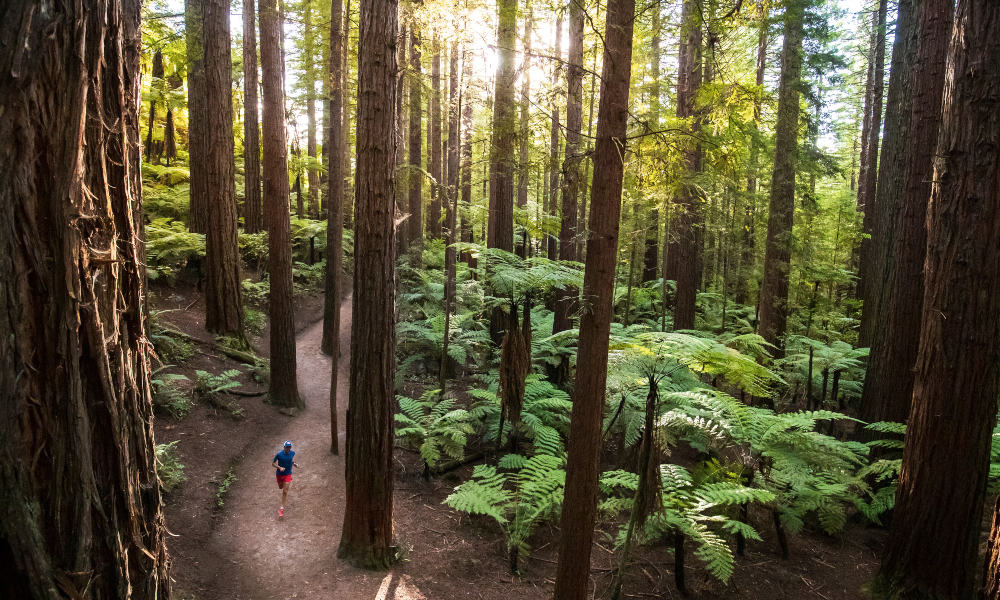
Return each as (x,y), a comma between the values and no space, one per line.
(284,463)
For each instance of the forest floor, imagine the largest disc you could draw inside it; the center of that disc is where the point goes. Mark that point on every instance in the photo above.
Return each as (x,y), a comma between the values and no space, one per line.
(229,543)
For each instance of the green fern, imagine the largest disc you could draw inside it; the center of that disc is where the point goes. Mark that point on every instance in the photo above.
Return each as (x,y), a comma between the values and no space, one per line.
(433,425)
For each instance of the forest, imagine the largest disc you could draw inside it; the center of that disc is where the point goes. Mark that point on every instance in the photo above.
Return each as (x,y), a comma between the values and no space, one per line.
(552,299)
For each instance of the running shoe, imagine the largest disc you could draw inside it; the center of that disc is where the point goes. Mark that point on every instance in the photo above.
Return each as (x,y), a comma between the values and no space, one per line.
(281,511)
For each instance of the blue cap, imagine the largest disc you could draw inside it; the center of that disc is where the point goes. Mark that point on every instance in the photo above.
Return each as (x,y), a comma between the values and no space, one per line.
(288,443)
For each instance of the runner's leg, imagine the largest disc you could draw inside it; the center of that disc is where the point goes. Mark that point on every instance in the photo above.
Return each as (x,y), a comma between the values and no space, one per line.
(284,492)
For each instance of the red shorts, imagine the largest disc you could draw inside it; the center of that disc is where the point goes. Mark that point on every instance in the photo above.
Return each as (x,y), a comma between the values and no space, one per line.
(282,479)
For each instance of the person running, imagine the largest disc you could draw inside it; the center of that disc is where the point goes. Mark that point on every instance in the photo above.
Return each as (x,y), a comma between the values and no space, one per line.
(284,462)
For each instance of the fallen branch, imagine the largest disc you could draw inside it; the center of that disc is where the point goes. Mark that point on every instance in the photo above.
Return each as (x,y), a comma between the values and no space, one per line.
(244,357)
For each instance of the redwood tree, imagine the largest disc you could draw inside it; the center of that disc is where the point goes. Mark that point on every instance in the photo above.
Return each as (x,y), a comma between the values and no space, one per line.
(335,219)
(683,254)
(284,385)
(413,228)
(197,143)
(888,387)
(935,529)
(367,536)
(223,284)
(434,140)
(777,249)
(253,210)
(563,317)
(500,230)
(80,514)
(583,462)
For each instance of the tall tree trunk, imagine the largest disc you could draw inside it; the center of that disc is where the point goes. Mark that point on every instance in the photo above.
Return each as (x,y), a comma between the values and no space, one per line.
(747,253)
(563,318)
(156,74)
(402,127)
(454,137)
(500,232)
(552,198)
(685,249)
(881,215)
(347,197)
(434,140)
(367,536)
(309,60)
(335,216)
(81,512)
(413,229)
(466,233)
(284,385)
(524,169)
(888,388)
(938,515)
(223,284)
(253,212)
(777,251)
(651,255)
(197,144)
(583,462)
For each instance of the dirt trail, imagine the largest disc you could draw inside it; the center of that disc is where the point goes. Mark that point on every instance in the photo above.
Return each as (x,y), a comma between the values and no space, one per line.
(296,556)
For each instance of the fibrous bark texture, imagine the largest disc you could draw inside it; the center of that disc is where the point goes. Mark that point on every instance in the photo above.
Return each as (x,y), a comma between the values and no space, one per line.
(583,462)
(568,246)
(434,139)
(888,387)
(684,252)
(80,515)
(197,139)
(777,249)
(938,515)
(335,219)
(284,388)
(415,175)
(879,219)
(253,209)
(367,536)
(223,287)
(552,197)
(500,231)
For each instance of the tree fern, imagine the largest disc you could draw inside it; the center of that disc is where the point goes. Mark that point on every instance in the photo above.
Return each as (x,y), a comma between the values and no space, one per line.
(434,426)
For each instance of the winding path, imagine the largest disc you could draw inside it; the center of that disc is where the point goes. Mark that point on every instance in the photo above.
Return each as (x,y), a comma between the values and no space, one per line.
(295,556)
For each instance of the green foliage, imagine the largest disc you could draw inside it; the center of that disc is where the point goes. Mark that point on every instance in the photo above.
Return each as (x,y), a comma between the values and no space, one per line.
(166,201)
(256,293)
(517,501)
(434,425)
(254,249)
(254,321)
(210,386)
(167,398)
(544,423)
(169,176)
(511,277)
(168,468)
(227,481)
(309,275)
(169,247)
(168,346)
(837,356)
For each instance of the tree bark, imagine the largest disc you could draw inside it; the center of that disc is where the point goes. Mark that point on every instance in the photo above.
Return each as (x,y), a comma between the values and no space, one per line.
(156,74)
(81,511)
(335,218)
(310,76)
(253,219)
(524,162)
(284,389)
(434,139)
(197,142)
(552,198)
(881,217)
(466,167)
(777,250)
(583,462)
(413,229)
(888,388)
(872,123)
(500,231)
(565,299)
(685,248)
(223,284)
(367,536)
(939,503)
(454,135)
(651,255)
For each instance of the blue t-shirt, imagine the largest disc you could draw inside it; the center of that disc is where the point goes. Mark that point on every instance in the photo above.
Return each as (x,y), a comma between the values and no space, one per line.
(284,460)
